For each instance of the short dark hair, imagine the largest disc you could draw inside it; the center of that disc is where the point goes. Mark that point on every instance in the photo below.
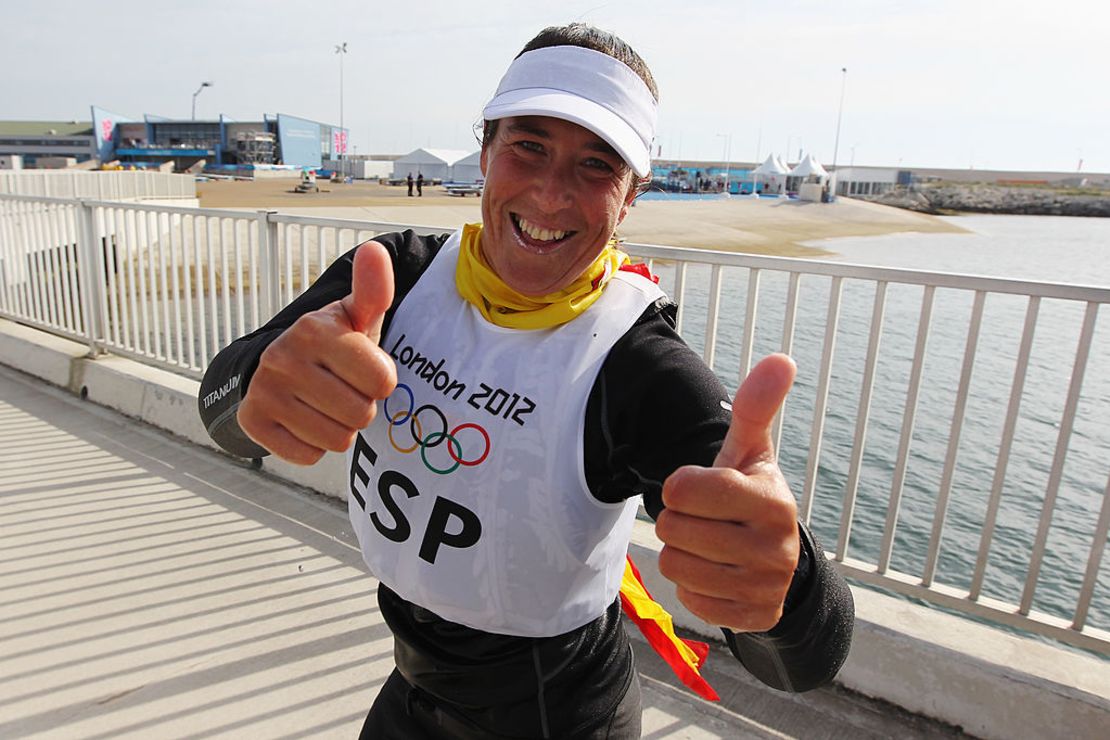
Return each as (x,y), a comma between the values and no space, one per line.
(588,37)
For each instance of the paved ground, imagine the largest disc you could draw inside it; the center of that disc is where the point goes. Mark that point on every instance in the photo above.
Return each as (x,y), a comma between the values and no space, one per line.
(151,588)
(761,226)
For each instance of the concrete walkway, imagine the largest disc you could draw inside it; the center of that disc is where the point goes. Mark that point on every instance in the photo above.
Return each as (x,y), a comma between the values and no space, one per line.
(151,588)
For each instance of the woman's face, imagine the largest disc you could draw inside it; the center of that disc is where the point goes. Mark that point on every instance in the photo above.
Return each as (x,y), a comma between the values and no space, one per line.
(554,194)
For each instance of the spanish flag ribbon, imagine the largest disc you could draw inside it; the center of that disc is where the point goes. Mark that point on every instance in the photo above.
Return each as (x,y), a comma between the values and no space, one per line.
(684,657)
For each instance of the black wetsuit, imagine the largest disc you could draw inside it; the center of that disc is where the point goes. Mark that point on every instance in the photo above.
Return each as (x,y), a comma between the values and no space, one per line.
(654,407)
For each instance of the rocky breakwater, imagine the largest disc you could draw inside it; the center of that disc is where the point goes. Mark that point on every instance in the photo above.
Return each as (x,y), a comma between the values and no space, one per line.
(949,198)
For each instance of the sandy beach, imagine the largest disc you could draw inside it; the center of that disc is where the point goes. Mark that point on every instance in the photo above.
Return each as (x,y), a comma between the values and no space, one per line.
(757,226)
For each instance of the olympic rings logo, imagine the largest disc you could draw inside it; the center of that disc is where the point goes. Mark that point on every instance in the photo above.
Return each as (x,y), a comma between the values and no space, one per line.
(433,439)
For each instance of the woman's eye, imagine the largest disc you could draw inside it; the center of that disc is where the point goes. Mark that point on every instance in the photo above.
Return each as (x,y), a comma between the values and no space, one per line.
(598,164)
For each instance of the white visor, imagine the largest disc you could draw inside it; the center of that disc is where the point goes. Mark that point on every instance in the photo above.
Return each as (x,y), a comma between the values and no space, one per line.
(586,87)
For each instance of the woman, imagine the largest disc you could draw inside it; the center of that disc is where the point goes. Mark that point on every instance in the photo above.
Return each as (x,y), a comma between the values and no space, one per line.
(506,394)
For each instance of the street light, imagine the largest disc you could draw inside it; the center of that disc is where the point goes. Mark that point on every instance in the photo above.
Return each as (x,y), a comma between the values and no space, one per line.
(341,50)
(728,155)
(202,86)
(839,112)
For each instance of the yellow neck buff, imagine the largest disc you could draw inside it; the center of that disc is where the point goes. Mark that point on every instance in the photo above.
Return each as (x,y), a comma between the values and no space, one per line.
(503,306)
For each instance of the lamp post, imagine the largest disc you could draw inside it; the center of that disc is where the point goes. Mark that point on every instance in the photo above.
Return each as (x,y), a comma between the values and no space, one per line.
(789,144)
(341,50)
(202,86)
(839,113)
(728,155)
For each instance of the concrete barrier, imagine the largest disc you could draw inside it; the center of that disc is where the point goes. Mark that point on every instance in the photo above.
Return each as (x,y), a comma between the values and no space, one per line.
(988,682)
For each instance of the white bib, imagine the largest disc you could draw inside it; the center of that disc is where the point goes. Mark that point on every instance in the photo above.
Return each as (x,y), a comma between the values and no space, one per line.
(468,493)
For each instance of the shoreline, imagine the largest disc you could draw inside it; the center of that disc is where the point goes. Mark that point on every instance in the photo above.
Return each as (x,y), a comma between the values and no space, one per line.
(775,227)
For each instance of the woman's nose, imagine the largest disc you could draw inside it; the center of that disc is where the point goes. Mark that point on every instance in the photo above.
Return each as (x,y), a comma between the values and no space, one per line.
(554,186)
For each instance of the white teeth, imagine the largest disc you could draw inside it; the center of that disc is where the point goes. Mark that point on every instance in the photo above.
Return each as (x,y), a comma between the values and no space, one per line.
(540,234)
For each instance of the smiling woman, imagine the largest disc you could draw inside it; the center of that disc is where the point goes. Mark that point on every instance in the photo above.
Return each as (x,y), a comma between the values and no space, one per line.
(555,193)
(496,512)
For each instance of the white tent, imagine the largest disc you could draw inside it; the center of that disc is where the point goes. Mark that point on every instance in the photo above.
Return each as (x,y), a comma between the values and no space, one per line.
(809,179)
(770,166)
(434,164)
(810,169)
(468,169)
(772,173)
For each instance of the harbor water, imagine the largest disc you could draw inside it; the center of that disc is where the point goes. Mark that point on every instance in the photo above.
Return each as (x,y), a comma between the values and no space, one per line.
(1075,250)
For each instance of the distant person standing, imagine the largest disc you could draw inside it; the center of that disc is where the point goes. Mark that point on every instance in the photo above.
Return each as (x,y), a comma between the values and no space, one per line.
(410,184)
(419,185)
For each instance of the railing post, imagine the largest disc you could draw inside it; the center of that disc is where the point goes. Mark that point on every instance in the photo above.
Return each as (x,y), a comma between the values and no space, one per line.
(269,269)
(91,276)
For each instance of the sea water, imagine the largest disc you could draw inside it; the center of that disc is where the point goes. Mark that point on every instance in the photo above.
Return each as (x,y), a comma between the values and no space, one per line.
(1041,248)
(1074,250)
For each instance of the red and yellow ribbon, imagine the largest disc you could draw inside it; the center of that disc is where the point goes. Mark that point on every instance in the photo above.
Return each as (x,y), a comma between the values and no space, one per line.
(684,657)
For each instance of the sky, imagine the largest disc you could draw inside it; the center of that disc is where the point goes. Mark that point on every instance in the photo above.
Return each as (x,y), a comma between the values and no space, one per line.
(1006,84)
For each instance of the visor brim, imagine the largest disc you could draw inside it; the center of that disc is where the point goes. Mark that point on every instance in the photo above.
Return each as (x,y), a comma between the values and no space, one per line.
(569,107)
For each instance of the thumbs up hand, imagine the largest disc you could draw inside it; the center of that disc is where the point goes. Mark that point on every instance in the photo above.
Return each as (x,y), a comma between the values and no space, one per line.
(316,384)
(730,532)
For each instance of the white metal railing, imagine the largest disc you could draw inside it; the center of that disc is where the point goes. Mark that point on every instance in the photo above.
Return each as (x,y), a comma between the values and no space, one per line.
(98,185)
(975,480)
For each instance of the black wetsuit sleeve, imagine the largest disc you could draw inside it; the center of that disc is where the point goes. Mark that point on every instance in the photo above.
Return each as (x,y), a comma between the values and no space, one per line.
(228,376)
(811,641)
(655,407)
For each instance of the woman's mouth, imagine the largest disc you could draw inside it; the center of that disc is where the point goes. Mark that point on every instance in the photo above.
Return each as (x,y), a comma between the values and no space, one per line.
(538,237)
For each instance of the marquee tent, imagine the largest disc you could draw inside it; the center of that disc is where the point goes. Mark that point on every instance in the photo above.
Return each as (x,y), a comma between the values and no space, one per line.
(772,173)
(434,164)
(468,169)
(810,170)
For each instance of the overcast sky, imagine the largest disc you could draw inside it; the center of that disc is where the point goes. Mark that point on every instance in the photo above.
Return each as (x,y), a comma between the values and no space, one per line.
(1006,84)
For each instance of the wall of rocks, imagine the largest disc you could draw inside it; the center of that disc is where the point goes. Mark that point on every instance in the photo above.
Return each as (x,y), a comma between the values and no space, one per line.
(945,198)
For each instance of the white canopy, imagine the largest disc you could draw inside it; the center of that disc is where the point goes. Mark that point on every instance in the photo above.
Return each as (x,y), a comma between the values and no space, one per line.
(432,163)
(468,169)
(771,166)
(809,166)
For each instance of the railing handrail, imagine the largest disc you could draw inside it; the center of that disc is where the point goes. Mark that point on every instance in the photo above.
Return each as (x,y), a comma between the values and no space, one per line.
(275,217)
(816,266)
(811,266)
(173,284)
(115,184)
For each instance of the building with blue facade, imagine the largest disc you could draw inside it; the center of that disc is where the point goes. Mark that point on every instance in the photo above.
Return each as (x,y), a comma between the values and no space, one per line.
(275,140)
(156,141)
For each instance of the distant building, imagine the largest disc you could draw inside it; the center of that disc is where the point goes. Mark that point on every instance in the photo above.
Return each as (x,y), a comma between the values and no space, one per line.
(678,175)
(35,140)
(874,180)
(275,140)
(694,176)
(156,141)
(852,181)
(364,166)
